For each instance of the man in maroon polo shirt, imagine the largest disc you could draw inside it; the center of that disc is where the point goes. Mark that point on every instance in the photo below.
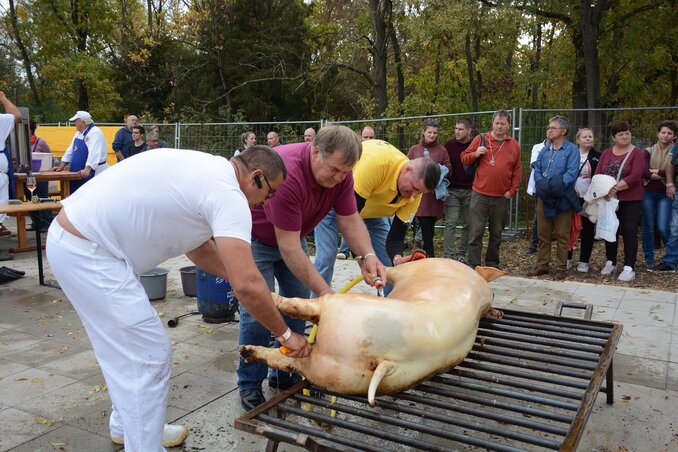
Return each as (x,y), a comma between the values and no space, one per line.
(318,179)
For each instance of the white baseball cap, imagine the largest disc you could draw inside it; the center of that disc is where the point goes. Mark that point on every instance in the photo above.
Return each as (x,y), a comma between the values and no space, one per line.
(81,115)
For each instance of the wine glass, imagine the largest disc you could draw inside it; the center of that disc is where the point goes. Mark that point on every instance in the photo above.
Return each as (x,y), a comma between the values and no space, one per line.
(31,184)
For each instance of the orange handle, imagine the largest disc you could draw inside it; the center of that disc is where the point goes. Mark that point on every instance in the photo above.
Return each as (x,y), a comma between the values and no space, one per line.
(284,350)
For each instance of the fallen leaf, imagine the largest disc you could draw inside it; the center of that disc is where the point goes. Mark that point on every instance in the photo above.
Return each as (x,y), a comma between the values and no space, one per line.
(625,397)
(20,379)
(59,445)
(37,380)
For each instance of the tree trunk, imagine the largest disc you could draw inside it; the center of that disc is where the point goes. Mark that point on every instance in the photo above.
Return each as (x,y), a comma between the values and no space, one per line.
(25,58)
(471,74)
(536,63)
(436,77)
(80,25)
(379,10)
(149,7)
(400,81)
(589,25)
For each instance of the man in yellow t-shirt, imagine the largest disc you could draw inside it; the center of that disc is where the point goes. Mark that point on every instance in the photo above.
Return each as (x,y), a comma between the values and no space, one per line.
(386,183)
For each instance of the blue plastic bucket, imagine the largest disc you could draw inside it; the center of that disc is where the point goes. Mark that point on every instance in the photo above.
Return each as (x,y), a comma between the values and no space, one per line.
(216,301)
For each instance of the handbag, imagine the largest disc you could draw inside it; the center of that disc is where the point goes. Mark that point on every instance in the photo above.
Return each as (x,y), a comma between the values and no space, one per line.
(470,170)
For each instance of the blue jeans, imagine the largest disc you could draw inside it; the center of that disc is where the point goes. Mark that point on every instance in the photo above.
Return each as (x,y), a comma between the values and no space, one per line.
(343,247)
(272,266)
(655,205)
(671,257)
(326,242)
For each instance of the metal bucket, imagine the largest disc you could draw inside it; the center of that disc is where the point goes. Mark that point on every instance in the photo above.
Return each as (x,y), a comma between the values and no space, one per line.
(216,301)
(188,280)
(155,283)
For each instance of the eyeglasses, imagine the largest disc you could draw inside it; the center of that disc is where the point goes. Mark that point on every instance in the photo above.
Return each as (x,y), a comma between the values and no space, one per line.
(271,191)
(554,128)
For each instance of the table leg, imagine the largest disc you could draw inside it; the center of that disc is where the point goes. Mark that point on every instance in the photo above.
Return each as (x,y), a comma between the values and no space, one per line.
(38,243)
(21,236)
(65,189)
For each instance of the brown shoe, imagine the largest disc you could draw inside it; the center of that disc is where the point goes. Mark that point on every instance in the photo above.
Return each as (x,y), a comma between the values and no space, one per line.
(559,275)
(539,271)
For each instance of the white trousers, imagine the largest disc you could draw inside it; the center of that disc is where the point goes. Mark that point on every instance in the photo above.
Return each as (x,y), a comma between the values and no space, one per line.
(4,183)
(130,343)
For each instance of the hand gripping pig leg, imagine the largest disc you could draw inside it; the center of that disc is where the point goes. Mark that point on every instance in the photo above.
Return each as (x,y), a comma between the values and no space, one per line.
(273,358)
(384,368)
(299,308)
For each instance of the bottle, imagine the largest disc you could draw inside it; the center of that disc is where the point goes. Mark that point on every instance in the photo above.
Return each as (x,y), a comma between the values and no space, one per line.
(425,152)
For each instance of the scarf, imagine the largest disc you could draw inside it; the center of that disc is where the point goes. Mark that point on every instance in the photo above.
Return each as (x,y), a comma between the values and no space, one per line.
(659,157)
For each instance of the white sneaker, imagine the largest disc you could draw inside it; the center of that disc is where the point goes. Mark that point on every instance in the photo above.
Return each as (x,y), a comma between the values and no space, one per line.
(627,274)
(583,267)
(341,256)
(172,436)
(608,269)
(568,265)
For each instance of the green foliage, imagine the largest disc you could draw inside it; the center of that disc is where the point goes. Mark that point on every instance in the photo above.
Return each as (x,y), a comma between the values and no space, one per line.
(264,60)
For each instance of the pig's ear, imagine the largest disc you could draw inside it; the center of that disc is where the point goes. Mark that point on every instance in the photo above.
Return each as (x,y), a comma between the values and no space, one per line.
(490,273)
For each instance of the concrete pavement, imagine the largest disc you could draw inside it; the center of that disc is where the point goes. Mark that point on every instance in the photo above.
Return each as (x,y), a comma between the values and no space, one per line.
(53,396)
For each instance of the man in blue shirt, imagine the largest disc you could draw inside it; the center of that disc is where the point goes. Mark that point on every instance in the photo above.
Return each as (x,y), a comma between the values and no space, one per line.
(123,138)
(555,173)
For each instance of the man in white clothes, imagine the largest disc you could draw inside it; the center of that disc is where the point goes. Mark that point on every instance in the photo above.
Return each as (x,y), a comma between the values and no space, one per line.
(7,121)
(141,212)
(87,152)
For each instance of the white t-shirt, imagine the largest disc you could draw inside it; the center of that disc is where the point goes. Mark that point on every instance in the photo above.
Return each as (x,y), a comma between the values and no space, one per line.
(160,204)
(536,150)
(6,126)
(96,149)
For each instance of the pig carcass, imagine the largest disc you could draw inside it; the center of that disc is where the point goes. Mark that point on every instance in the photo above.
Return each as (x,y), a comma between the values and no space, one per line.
(371,345)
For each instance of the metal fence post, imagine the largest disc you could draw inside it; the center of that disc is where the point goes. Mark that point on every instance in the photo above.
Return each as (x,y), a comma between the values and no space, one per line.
(177,135)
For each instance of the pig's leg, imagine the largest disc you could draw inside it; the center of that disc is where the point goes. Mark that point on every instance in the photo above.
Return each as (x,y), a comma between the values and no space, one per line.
(384,368)
(299,308)
(273,357)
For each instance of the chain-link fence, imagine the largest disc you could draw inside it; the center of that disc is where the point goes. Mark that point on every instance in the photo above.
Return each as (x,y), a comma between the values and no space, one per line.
(405,132)
(224,138)
(529,127)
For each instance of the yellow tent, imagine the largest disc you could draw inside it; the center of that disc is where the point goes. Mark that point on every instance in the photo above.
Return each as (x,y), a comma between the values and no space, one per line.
(59,138)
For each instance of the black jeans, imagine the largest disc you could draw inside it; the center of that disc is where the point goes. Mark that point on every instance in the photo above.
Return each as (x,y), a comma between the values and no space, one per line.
(588,231)
(427,225)
(628,214)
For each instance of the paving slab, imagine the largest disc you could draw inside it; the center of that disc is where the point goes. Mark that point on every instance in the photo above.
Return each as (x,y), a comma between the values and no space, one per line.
(30,383)
(19,427)
(41,338)
(634,422)
(68,438)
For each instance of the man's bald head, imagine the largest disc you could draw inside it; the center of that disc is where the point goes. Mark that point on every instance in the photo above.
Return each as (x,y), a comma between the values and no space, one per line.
(367,133)
(132,121)
(273,139)
(309,134)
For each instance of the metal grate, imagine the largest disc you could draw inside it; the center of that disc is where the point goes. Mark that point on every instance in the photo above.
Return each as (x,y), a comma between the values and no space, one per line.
(529,382)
